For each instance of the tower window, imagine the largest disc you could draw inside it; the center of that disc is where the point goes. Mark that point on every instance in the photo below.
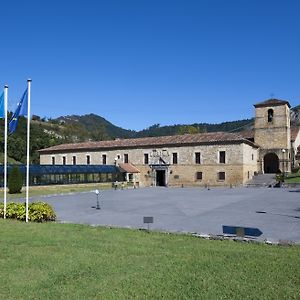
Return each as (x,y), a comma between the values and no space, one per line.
(270,115)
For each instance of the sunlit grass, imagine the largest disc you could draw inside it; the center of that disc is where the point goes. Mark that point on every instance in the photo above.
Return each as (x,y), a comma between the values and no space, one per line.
(67,261)
(57,189)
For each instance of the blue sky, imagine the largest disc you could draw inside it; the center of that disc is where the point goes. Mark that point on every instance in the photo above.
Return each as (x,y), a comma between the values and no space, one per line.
(138,62)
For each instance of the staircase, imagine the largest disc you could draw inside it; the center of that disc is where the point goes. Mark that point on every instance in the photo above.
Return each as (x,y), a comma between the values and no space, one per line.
(262,180)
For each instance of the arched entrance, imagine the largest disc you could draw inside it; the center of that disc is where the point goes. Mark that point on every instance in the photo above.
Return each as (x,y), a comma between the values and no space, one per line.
(271,163)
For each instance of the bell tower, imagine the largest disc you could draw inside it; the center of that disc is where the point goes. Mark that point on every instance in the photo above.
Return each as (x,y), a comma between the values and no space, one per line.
(272,133)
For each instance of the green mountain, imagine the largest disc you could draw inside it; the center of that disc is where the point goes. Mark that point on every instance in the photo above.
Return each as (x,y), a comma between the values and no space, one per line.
(92,127)
(71,129)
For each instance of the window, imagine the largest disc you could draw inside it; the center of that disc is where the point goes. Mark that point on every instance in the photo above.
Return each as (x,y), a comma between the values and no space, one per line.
(74,160)
(146,158)
(252,156)
(221,176)
(175,159)
(53,160)
(270,115)
(104,159)
(222,157)
(64,160)
(126,158)
(198,175)
(198,158)
(88,160)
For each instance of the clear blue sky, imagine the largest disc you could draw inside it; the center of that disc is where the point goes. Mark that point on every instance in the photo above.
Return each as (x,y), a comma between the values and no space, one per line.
(139,62)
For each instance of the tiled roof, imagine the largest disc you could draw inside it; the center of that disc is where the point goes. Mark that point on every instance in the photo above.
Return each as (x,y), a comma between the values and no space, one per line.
(129,168)
(272,102)
(174,140)
(294,133)
(247,134)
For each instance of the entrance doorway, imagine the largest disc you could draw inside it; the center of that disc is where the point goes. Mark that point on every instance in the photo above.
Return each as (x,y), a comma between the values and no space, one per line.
(271,163)
(160,178)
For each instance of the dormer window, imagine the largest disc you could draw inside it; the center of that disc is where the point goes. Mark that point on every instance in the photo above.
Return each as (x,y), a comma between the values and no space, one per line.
(270,115)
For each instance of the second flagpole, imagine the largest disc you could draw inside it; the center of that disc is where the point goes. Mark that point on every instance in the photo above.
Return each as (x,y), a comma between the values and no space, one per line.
(28,144)
(5,148)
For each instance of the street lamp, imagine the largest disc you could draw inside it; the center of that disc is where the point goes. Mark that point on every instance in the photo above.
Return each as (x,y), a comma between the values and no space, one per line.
(97,193)
(283,161)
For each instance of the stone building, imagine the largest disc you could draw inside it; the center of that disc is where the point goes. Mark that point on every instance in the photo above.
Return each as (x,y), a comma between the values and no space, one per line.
(195,159)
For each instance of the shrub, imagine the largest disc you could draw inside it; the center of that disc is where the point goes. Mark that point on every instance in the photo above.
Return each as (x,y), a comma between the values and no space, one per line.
(41,211)
(279,177)
(16,211)
(37,211)
(15,180)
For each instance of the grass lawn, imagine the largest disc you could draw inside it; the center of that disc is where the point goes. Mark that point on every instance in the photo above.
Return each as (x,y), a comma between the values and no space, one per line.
(293,178)
(67,261)
(57,189)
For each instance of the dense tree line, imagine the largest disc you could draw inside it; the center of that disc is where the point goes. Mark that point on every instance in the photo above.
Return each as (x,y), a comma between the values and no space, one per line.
(47,133)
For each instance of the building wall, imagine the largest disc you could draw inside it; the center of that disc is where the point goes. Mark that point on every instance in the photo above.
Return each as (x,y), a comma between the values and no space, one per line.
(295,152)
(273,137)
(239,160)
(275,134)
(250,162)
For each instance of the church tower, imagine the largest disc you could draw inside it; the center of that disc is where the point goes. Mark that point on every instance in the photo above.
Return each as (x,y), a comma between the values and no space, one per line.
(273,135)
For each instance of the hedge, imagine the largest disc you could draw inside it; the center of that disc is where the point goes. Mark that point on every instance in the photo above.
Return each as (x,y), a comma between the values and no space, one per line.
(37,211)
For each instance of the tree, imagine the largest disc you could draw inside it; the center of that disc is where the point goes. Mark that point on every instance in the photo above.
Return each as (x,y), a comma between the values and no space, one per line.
(188,129)
(15,180)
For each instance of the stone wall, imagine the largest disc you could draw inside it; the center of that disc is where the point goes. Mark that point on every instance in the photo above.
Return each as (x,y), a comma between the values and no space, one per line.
(239,160)
(275,134)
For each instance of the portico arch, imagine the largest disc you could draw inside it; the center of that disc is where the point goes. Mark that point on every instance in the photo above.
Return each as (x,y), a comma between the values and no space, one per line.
(271,163)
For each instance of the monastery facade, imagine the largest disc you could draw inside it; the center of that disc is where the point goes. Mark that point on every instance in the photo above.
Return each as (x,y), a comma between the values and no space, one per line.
(212,159)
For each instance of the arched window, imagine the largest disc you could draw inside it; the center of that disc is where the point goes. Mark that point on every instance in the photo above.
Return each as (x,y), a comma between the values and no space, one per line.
(270,115)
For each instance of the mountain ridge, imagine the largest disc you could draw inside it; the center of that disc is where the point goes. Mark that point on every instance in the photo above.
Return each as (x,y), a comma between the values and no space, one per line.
(91,127)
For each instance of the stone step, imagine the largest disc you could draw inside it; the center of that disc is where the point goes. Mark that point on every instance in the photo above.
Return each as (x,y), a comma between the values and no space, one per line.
(263,180)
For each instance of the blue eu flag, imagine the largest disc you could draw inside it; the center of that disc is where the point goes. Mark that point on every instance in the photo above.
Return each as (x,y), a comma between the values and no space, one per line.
(2,106)
(22,110)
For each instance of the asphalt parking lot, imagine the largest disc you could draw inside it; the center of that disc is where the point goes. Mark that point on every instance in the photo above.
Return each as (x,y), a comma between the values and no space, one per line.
(276,212)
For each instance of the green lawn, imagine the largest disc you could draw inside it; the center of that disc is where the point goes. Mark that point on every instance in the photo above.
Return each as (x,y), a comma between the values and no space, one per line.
(66,261)
(57,189)
(293,178)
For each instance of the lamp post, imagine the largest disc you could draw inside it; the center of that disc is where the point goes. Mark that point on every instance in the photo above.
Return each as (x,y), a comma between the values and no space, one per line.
(97,193)
(283,161)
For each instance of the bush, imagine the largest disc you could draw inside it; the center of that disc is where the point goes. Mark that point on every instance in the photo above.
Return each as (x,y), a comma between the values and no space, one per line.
(295,169)
(37,211)
(15,180)
(41,211)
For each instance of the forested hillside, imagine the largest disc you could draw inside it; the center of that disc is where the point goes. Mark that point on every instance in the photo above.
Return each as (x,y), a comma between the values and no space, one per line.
(71,129)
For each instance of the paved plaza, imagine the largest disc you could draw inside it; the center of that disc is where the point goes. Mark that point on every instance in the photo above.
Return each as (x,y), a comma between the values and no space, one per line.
(195,210)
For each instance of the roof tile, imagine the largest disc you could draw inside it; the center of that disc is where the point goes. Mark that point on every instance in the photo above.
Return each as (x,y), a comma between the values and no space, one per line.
(174,140)
(272,102)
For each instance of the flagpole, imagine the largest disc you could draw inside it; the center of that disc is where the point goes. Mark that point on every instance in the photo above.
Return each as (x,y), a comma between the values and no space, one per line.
(5,148)
(28,140)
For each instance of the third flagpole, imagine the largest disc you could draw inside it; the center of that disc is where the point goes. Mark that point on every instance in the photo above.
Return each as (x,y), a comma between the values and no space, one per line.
(5,148)
(28,141)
